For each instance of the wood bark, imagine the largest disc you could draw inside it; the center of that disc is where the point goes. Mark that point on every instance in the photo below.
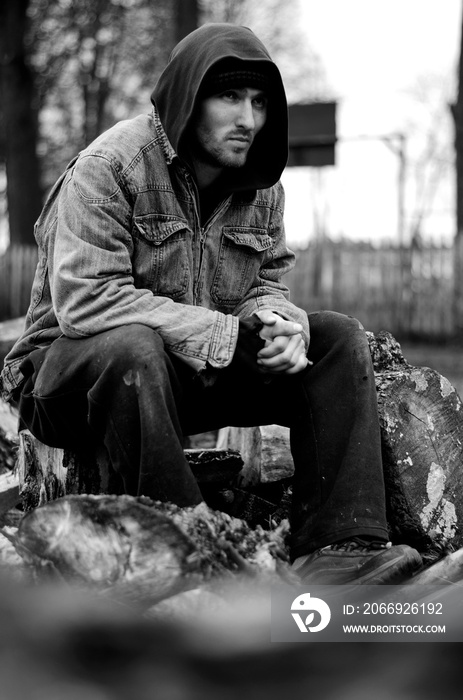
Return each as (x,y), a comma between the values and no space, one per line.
(46,473)
(8,437)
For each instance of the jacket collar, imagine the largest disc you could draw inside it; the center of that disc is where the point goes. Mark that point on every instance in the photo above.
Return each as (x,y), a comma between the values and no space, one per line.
(166,146)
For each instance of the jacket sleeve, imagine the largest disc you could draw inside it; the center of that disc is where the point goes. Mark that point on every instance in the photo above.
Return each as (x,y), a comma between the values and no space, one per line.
(269,292)
(91,277)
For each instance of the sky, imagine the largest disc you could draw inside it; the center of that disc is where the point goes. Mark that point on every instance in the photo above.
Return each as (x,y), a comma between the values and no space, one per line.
(391,66)
(377,55)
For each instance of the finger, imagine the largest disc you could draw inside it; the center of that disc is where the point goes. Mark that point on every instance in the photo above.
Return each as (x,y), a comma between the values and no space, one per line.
(286,328)
(291,358)
(278,346)
(293,361)
(279,326)
(282,353)
(291,329)
(268,317)
(301,364)
(274,347)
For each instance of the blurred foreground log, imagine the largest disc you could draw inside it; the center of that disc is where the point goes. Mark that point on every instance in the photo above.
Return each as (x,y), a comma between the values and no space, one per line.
(449,569)
(140,551)
(57,644)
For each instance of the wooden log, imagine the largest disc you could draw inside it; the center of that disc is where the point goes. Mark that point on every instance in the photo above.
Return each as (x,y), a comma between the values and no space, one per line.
(9,480)
(109,543)
(422,445)
(46,473)
(421,418)
(265,452)
(8,437)
(63,645)
(449,569)
(143,551)
(214,465)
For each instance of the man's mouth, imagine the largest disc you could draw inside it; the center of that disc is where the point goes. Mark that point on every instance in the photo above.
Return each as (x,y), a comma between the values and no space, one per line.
(240,138)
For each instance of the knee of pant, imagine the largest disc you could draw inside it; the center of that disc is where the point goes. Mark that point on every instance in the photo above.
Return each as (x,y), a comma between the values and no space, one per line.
(337,326)
(134,347)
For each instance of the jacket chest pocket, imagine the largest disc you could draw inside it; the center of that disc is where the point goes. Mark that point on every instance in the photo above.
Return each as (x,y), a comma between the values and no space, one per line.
(161,255)
(242,252)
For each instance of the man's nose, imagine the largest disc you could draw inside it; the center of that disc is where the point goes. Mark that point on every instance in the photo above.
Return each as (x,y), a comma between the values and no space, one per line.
(245,117)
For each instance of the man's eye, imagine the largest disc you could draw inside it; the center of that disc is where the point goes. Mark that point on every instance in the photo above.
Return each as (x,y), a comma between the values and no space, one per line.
(229,95)
(260,102)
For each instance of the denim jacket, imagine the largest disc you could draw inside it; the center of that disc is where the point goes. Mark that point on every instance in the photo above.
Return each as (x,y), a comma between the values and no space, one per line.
(120,242)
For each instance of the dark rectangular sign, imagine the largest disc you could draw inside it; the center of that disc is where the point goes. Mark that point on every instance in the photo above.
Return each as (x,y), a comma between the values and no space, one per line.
(312,134)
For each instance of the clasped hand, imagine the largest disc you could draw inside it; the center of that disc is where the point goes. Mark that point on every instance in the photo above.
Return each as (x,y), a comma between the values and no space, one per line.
(284,350)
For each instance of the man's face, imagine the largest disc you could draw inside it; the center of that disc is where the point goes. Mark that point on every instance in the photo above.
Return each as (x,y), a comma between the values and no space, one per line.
(226,126)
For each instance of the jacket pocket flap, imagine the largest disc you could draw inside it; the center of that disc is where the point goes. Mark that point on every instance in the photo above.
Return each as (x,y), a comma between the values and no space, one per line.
(256,238)
(156,230)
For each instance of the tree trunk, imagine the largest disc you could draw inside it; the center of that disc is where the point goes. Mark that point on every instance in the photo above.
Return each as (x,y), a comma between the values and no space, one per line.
(19,123)
(46,473)
(186,18)
(457,111)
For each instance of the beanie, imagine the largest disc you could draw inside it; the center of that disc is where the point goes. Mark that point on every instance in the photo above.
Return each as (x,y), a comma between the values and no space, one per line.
(229,75)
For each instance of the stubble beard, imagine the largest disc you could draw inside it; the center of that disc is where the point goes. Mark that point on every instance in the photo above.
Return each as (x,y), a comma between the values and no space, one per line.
(221,155)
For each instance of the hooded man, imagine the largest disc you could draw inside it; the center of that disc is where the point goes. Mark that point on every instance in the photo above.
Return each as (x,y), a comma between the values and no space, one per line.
(158,311)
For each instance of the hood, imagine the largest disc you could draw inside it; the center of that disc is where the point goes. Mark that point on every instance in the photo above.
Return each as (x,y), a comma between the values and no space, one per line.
(177,89)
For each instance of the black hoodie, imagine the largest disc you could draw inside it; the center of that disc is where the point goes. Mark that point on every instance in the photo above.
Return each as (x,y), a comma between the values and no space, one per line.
(177,89)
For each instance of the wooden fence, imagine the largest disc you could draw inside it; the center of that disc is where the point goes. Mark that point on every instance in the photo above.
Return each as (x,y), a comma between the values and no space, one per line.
(408,291)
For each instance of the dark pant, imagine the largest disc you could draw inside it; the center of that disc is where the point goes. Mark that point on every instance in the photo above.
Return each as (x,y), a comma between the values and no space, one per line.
(122,387)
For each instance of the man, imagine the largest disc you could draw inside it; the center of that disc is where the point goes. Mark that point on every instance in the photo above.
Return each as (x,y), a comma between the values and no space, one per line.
(158,310)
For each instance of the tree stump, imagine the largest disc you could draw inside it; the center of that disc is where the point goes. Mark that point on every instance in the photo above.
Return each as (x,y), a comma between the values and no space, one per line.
(46,473)
(421,418)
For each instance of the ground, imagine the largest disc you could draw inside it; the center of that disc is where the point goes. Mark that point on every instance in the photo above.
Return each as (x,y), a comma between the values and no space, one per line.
(445,358)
